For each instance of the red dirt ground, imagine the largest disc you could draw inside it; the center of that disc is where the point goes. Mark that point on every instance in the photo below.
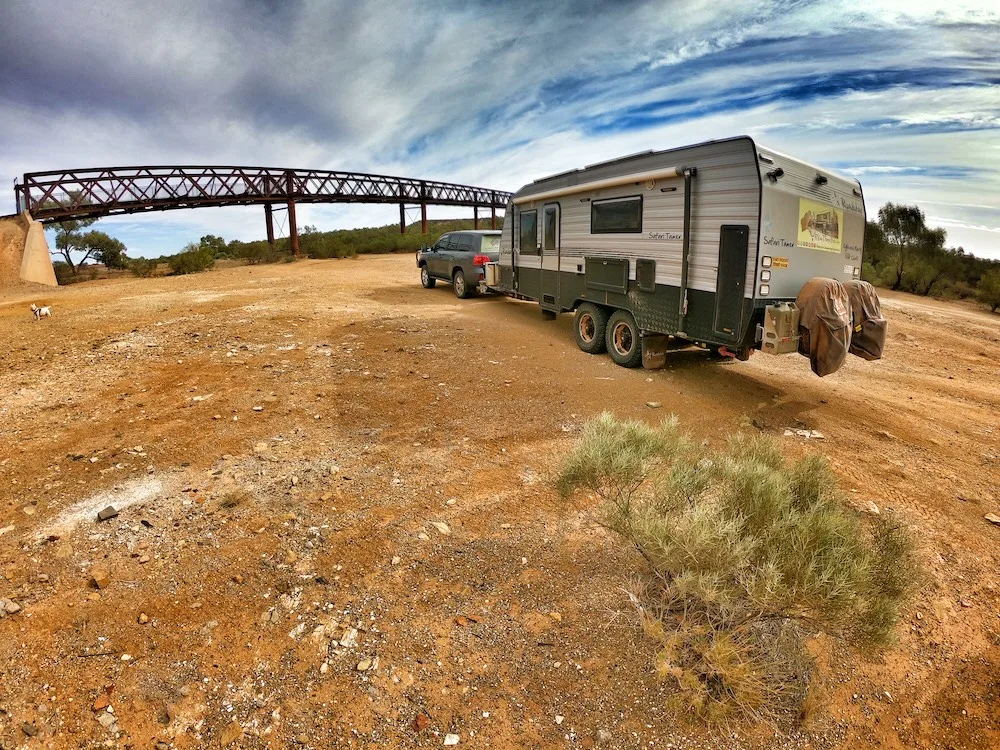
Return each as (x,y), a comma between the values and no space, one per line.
(382,408)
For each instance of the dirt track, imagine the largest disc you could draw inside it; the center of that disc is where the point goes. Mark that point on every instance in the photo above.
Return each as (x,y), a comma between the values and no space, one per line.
(382,407)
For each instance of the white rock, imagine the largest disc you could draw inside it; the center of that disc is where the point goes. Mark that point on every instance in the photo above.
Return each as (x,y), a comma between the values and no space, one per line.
(560,719)
(451,739)
(441,526)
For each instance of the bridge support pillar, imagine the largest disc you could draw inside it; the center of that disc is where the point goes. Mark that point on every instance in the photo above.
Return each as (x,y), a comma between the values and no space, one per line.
(269,222)
(423,218)
(493,217)
(402,219)
(475,217)
(293,229)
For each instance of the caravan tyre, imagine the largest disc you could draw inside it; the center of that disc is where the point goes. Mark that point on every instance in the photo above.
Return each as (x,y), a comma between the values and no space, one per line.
(590,327)
(622,339)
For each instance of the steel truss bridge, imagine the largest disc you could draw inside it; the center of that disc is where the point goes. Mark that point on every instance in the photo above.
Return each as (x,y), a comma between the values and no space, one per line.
(89,193)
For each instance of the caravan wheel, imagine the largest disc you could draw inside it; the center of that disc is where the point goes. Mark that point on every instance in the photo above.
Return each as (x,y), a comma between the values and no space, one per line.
(590,327)
(622,339)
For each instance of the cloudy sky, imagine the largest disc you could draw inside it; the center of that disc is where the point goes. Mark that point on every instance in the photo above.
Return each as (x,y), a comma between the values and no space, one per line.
(903,95)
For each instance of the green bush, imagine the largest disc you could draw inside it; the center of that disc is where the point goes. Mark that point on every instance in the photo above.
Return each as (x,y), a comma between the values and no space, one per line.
(988,290)
(744,555)
(192,259)
(142,267)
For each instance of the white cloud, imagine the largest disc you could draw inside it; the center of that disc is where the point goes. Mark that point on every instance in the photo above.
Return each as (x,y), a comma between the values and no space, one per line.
(501,94)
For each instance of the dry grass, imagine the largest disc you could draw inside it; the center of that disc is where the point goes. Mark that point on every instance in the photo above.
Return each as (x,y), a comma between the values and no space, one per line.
(744,554)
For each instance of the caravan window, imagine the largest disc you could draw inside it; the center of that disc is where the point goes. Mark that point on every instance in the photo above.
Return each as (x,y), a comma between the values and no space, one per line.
(529,233)
(616,215)
(549,231)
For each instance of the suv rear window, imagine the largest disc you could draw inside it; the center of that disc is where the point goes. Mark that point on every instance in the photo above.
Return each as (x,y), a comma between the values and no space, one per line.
(491,243)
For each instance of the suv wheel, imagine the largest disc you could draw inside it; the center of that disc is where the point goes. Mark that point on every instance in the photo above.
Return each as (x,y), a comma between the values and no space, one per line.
(462,291)
(622,339)
(590,328)
(426,279)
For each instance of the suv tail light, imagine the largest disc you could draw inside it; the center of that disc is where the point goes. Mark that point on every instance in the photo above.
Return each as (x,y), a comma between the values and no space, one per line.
(480,260)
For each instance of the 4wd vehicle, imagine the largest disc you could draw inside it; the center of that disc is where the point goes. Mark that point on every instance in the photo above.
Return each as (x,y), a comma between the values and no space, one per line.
(460,258)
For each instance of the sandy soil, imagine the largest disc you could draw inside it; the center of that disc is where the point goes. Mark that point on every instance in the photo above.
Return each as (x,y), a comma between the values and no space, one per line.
(280,442)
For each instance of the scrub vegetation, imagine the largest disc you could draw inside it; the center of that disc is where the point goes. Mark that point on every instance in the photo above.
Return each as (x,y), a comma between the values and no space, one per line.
(743,555)
(903,253)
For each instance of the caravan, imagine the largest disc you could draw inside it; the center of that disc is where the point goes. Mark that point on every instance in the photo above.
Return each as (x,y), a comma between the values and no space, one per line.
(710,244)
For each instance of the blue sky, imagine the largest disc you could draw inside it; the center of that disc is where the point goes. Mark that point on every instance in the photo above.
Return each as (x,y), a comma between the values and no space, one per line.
(903,95)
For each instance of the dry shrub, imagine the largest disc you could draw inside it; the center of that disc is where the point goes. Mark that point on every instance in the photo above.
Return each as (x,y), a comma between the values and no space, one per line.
(745,555)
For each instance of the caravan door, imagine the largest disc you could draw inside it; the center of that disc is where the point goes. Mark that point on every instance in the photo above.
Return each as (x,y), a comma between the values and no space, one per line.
(550,256)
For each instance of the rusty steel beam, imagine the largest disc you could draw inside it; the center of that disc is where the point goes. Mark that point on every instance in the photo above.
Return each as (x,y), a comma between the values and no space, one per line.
(90,193)
(269,222)
(402,218)
(293,229)
(423,218)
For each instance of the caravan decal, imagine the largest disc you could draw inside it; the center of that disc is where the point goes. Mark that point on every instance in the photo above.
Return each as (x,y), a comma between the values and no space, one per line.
(820,226)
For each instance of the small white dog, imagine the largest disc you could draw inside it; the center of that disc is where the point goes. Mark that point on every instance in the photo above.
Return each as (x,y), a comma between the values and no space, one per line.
(40,312)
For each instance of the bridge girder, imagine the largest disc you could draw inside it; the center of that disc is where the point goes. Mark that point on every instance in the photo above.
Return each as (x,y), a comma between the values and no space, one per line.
(110,191)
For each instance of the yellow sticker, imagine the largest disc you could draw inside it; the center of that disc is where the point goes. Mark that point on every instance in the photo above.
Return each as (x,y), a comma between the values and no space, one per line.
(820,226)
(779,262)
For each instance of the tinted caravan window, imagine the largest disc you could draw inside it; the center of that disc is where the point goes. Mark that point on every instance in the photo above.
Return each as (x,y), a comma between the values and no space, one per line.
(529,233)
(616,215)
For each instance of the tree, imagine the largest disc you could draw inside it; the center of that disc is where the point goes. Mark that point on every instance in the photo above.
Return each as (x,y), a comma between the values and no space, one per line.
(215,244)
(104,249)
(989,289)
(904,229)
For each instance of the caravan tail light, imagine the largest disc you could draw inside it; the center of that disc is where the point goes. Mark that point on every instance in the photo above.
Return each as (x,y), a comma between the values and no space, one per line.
(480,260)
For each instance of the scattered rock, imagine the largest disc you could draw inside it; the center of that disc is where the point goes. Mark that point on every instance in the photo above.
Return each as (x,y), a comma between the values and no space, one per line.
(451,739)
(231,733)
(364,665)
(258,408)
(421,722)
(350,638)
(102,702)
(105,719)
(872,508)
(560,719)
(143,559)
(395,560)
(9,606)
(107,514)
(602,737)
(423,537)
(653,404)
(29,510)
(555,616)
(100,576)
(29,729)
(143,618)
(441,526)
(993,518)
